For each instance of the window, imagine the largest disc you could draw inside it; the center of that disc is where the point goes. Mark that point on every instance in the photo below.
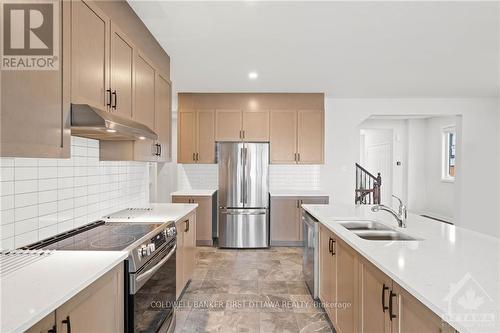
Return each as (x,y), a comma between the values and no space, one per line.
(449,153)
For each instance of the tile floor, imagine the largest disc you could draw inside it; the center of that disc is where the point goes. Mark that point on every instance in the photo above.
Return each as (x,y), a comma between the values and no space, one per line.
(249,291)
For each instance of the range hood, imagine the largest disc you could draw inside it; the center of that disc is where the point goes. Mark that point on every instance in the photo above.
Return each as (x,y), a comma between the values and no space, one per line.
(90,122)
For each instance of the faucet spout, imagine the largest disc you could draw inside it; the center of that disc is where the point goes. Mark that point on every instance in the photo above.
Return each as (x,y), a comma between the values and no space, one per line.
(400,217)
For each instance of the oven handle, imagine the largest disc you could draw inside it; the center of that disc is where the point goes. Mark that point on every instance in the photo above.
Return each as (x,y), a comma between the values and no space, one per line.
(147,274)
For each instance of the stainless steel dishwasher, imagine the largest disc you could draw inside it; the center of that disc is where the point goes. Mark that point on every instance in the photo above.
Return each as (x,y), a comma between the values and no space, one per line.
(310,265)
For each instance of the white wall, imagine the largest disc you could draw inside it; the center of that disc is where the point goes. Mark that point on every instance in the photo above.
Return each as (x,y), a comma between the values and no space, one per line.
(43,197)
(476,190)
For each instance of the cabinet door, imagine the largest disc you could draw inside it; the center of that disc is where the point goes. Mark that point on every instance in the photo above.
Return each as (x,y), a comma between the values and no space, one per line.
(180,283)
(203,220)
(256,126)
(205,136)
(122,73)
(144,95)
(35,105)
(374,299)
(285,217)
(327,278)
(186,137)
(228,125)
(44,325)
(189,230)
(163,112)
(310,136)
(347,287)
(98,308)
(283,136)
(89,55)
(411,316)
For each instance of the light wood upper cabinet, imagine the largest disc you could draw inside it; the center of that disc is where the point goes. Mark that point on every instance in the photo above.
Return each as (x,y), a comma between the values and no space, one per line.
(186,141)
(163,116)
(283,136)
(205,141)
(122,73)
(35,105)
(255,126)
(144,95)
(310,132)
(228,125)
(90,33)
(45,325)
(297,136)
(196,136)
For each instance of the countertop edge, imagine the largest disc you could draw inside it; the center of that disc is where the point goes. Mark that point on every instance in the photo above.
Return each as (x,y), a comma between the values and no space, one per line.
(31,321)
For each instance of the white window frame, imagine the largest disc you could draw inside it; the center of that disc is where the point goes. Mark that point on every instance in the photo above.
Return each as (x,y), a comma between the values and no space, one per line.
(445,153)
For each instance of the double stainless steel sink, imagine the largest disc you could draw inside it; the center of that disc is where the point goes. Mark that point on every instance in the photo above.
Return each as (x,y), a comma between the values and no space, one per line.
(373,230)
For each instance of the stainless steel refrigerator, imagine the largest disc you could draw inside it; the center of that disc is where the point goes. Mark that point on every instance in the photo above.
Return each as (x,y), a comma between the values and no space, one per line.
(243,194)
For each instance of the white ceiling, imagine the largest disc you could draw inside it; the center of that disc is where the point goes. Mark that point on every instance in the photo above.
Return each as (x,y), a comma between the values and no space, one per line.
(345,49)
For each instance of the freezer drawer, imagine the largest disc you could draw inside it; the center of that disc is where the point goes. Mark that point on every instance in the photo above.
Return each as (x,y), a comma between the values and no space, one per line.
(243,228)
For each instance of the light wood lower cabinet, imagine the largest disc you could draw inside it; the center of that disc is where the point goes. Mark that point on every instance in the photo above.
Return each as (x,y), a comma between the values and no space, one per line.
(98,308)
(186,251)
(205,214)
(286,222)
(366,299)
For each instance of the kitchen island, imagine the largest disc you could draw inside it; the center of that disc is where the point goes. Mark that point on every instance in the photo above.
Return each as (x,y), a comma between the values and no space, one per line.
(452,271)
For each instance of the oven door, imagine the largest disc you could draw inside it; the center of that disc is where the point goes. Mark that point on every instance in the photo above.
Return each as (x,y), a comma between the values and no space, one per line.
(152,294)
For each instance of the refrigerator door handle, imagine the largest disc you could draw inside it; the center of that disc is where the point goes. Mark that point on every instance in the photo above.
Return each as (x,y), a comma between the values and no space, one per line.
(245,178)
(242,181)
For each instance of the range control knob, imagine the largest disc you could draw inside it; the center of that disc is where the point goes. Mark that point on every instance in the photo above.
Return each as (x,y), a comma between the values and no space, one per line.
(171,232)
(145,251)
(152,247)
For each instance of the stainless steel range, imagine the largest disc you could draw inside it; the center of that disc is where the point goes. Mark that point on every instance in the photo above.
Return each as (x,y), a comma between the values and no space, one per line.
(150,266)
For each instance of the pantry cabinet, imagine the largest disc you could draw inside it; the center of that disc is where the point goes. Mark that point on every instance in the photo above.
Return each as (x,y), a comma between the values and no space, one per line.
(366,299)
(286,221)
(297,136)
(97,308)
(196,136)
(186,251)
(35,104)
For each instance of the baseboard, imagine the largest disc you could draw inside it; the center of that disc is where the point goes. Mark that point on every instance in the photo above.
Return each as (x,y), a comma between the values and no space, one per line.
(287,243)
(204,243)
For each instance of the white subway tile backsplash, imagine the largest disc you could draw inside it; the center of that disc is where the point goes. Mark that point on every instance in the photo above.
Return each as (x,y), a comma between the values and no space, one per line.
(25,186)
(281,177)
(6,188)
(27,225)
(42,197)
(26,199)
(25,173)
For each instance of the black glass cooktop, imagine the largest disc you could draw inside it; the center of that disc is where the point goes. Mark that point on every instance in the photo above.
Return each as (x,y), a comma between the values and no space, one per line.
(97,236)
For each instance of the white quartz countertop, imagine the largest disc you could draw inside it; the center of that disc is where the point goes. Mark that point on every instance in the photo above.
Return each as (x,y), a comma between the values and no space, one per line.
(299,193)
(195,193)
(160,213)
(452,270)
(34,291)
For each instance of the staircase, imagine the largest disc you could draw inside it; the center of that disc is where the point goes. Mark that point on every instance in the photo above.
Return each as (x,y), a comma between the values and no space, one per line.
(367,190)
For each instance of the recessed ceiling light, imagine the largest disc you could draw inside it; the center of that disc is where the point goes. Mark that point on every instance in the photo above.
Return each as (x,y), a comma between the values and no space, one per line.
(111,130)
(253,75)
(142,138)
